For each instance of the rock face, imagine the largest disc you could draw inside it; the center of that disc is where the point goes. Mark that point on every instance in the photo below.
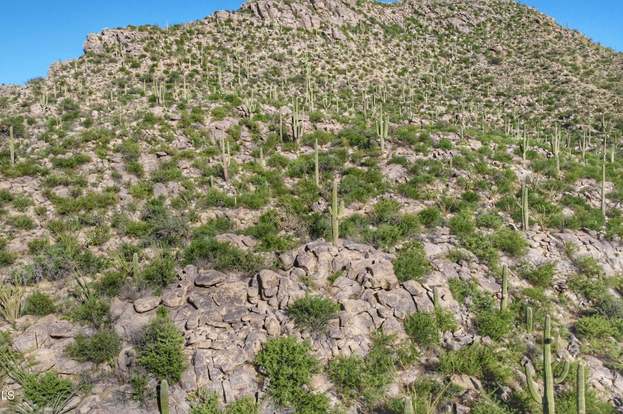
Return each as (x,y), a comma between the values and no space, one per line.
(117,40)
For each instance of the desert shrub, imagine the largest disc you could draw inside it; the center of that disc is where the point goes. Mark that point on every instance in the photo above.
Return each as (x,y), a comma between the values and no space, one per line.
(596,327)
(430,217)
(92,310)
(267,231)
(510,241)
(223,256)
(422,328)
(110,284)
(39,304)
(482,247)
(475,360)
(540,275)
(493,323)
(161,271)
(161,349)
(411,263)
(489,407)
(46,389)
(462,223)
(245,405)
(289,366)
(366,378)
(103,346)
(313,312)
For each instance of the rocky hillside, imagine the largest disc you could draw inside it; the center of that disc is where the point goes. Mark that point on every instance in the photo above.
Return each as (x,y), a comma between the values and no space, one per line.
(317,206)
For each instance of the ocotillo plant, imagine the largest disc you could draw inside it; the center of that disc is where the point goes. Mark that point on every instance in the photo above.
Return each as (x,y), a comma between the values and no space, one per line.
(580,390)
(336,214)
(316,164)
(382,130)
(504,301)
(164,397)
(12,145)
(547,400)
(525,208)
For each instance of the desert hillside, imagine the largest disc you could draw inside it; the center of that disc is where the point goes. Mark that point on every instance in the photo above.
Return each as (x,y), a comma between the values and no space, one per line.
(317,206)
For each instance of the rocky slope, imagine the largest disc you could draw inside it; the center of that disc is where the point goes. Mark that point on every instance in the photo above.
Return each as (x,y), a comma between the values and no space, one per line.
(168,213)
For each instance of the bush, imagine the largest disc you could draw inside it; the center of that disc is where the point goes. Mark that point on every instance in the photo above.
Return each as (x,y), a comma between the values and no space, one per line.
(223,256)
(430,217)
(289,366)
(595,327)
(102,347)
(510,241)
(411,263)
(313,312)
(161,271)
(161,349)
(39,304)
(494,324)
(93,310)
(46,390)
(366,378)
(476,360)
(540,275)
(422,328)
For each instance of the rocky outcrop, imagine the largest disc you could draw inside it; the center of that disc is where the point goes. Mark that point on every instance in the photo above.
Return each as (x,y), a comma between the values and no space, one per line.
(118,40)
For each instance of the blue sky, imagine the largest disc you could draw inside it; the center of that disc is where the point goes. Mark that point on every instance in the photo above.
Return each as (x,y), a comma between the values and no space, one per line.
(36,33)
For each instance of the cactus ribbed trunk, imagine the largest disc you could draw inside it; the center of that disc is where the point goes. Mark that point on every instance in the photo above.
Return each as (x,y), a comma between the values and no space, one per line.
(504,301)
(12,145)
(580,390)
(335,215)
(316,165)
(549,406)
(525,208)
(529,320)
(603,182)
(164,397)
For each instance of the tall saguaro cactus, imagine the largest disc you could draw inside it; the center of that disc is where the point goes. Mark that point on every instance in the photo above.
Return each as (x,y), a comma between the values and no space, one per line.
(525,208)
(547,400)
(603,180)
(316,164)
(12,145)
(225,159)
(382,130)
(297,123)
(504,301)
(556,150)
(336,214)
(580,389)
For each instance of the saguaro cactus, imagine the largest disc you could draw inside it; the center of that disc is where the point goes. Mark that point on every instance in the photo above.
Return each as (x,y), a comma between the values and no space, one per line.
(525,208)
(529,319)
(164,397)
(297,123)
(316,164)
(580,389)
(408,406)
(547,400)
(603,181)
(504,301)
(336,214)
(382,130)
(225,159)
(12,145)
(556,150)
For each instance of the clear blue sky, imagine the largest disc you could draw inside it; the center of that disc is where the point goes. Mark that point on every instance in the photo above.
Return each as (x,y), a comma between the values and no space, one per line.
(36,33)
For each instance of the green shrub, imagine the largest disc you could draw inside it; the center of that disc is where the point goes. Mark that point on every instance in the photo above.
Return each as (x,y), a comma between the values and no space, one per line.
(245,405)
(510,241)
(103,346)
(223,256)
(39,304)
(476,360)
(462,223)
(367,378)
(540,275)
(422,328)
(494,324)
(161,349)
(93,310)
(430,217)
(161,271)
(46,389)
(289,366)
(411,263)
(313,312)
(595,327)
